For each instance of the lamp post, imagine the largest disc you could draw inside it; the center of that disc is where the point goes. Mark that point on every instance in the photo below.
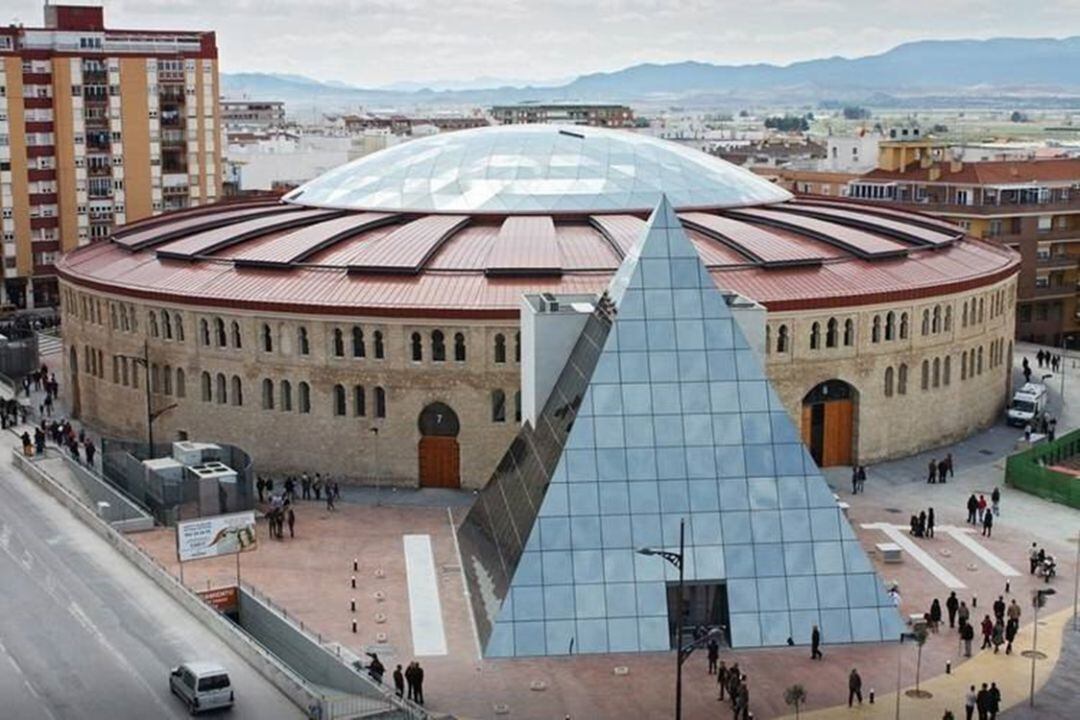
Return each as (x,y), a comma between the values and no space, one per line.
(899,656)
(1066,340)
(375,468)
(1038,599)
(151,415)
(676,559)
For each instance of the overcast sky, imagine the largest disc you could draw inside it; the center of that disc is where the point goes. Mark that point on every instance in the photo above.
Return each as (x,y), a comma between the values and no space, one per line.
(378,42)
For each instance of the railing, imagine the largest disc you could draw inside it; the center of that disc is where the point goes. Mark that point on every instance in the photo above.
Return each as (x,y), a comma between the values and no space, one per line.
(1055,291)
(1030,470)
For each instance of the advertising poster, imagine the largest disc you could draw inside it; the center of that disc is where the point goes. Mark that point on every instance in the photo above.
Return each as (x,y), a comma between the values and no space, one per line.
(217,535)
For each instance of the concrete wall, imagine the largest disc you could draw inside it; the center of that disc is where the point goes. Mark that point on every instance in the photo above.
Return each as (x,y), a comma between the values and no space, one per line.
(122,514)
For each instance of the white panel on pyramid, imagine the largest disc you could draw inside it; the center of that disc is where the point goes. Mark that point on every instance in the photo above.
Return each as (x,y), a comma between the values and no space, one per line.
(663,414)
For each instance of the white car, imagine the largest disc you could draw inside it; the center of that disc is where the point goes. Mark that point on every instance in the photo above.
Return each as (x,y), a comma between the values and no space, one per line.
(202,686)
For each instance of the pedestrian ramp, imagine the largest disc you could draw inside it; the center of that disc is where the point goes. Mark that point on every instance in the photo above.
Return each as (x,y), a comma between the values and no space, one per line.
(898,534)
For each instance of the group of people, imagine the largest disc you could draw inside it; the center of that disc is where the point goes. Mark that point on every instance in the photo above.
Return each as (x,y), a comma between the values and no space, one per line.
(858,479)
(1044,424)
(939,470)
(922,525)
(12,413)
(408,683)
(309,486)
(42,379)
(279,515)
(62,433)
(733,685)
(1050,360)
(1003,628)
(979,512)
(987,701)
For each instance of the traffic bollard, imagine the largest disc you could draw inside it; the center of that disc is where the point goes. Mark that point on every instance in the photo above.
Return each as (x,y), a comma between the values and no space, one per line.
(354,582)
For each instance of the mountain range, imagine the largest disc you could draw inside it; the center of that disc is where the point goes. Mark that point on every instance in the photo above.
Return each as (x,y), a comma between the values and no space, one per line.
(976,71)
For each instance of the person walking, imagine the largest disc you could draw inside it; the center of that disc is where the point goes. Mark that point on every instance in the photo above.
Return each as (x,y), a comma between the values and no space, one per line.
(987,632)
(744,700)
(290,517)
(988,523)
(967,634)
(982,701)
(951,606)
(854,686)
(1033,558)
(815,644)
(714,654)
(316,485)
(862,478)
(931,477)
(982,506)
(972,508)
(1014,612)
(90,450)
(942,469)
(410,679)
(260,487)
(935,615)
(399,679)
(999,635)
(999,608)
(721,678)
(1011,628)
(419,678)
(930,522)
(854,479)
(305,486)
(995,501)
(994,701)
(329,498)
(949,465)
(969,703)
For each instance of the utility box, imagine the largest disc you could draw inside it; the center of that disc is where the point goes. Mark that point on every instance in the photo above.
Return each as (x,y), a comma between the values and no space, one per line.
(217,487)
(194,453)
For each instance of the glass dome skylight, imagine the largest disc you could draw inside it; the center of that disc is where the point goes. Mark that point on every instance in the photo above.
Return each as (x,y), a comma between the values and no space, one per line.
(536,169)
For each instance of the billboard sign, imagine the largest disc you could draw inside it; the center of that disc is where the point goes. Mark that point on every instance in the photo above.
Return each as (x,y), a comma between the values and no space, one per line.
(217,535)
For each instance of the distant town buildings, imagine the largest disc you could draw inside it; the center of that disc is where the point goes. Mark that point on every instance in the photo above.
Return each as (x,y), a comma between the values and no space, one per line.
(252,113)
(613,116)
(406,124)
(98,127)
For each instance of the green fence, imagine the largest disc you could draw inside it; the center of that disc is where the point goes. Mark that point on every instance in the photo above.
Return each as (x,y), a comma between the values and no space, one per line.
(1030,470)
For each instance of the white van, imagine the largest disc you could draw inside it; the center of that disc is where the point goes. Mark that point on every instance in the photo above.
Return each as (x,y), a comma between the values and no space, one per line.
(1027,404)
(202,686)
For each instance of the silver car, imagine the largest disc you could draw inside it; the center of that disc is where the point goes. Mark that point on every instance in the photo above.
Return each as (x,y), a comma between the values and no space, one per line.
(202,686)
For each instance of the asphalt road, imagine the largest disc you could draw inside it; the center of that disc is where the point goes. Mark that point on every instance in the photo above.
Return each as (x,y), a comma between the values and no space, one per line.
(84,634)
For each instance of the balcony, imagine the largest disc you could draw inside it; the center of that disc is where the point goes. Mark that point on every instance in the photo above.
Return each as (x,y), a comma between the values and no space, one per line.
(40,223)
(990,210)
(36,174)
(42,198)
(1054,291)
(37,78)
(1057,262)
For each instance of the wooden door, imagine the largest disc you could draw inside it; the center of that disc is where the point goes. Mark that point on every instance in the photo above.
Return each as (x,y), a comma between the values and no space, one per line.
(439,462)
(807,422)
(836,448)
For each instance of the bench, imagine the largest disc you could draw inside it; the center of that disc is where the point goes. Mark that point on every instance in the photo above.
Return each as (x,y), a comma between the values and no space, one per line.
(890,552)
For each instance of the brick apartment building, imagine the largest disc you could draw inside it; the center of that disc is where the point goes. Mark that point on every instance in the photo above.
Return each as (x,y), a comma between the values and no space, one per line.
(98,127)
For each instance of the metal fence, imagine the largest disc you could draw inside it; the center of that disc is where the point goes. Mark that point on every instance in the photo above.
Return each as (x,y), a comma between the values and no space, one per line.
(1031,471)
(172,497)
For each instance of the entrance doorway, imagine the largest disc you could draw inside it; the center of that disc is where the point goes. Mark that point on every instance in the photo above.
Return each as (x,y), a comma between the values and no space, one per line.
(440,461)
(704,605)
(828,423)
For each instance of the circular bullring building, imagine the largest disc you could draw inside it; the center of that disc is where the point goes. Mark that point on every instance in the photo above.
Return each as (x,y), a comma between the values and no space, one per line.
(367,325)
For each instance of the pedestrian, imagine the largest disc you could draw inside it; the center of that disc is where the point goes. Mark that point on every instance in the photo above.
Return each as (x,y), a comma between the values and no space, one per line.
(967,634)
(922,524)
(375,668)
(998,637)
(969,703)
(90,450)
(1039,357)
(951,606)
(1010,634)
(862,478)
(1014,611)
(291,518)
(999,608)
(269,487)
(305,486)
(854,686)
(721,678)
(815,644)
(931,478)
(942,469)
(987,632)
(930,522)
(410,681)
(734,678)
(714,654)
(419,683)
(949,464)
(994,704)
(329,497)
(316,485)
(399,679)
(982,701)
(1033,558)
(982,506)
(744,699)
(988,524)
(854,479)
(972,508)
(995,501)
(935,615)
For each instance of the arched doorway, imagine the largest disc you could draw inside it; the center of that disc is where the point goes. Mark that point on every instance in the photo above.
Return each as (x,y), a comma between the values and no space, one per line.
(828,423)
(73,369)
(440,462)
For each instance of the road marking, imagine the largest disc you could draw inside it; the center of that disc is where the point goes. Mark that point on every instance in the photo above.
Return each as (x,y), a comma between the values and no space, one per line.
(425,610)
(961,536)
(898,535)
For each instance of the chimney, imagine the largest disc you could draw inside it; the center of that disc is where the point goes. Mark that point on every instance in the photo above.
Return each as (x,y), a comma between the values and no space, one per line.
(956,165)
(934,174)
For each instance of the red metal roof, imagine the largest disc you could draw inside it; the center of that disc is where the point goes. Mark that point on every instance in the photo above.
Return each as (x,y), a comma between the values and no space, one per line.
(441,265)
(905,230)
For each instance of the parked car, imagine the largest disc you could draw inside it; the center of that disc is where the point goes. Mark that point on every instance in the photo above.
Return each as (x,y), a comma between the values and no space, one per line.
(202,686)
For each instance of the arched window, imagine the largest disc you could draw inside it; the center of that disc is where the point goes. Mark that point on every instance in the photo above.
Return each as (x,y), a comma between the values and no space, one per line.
(875,329)
(206,391)
(358,349)
(964,316)
(981,307)
(380,350)
(888,382)
(901,380)
(926,322)
(815,336)
(166,379)
(947,372)
(459,347)
(438,346)
(222,389)
(155,377)
(267,338)
(124,323)
(925,375)
(498,406)
(782,339)
(417,347)
(286,396)
(166,325)
(153,324)
(339,400)
(948,318)
(237,340)
(380,402)
(517,406)
(204,332)
(181,386)
(890,325)
(937,372)
(517,347)
(302,341)
(935,325)
(219,332)
(849,332)
(768,338)
(267,394)
(359,401)
(112,313)
(500,348)
(339,343)
(237,391)
(979,364)
(831,333)
(903,326)
(303,398)
(179,327)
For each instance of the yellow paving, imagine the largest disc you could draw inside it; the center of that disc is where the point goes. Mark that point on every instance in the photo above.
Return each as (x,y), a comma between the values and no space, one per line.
(1012,673)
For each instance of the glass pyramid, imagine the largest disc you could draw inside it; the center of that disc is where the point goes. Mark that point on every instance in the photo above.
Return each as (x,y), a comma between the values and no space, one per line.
(663,413)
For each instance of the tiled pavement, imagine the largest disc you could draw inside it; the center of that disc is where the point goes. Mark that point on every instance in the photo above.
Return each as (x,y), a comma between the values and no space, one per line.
(1059,699)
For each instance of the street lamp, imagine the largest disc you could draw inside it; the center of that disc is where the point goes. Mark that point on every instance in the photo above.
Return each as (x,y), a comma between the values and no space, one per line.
(375,468)
(151,415)
(676,559)
(1038,600)
(903,636)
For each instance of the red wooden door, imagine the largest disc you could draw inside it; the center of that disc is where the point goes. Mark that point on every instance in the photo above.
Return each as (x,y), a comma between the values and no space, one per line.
(439,462)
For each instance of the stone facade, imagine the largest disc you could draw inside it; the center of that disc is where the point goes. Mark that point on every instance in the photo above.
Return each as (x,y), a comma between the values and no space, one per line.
(103,334)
